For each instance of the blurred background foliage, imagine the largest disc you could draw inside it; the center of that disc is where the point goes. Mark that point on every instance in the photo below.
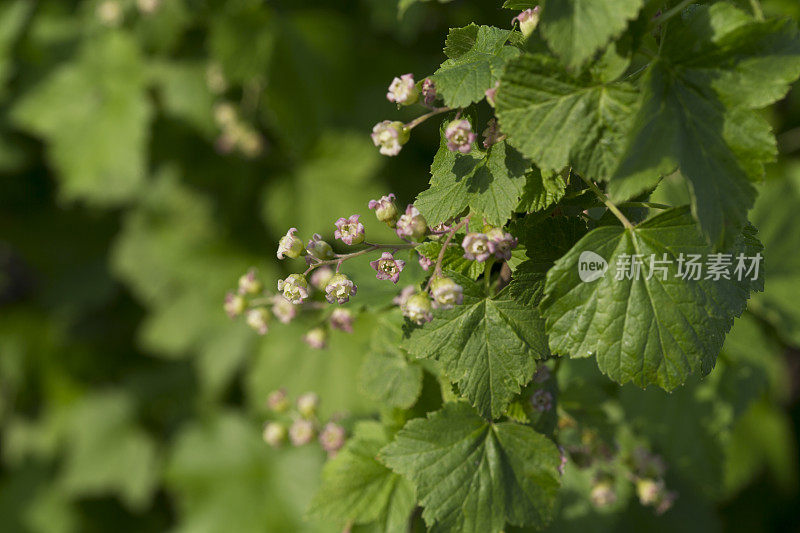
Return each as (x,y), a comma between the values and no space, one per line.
(131,200)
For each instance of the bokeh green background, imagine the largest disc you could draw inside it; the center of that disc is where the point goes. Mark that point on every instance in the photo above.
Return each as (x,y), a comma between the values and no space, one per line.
(128,400)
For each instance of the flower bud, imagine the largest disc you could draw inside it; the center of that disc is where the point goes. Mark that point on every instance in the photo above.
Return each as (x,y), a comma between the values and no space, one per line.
(290,245)
(460,136)
(649,491)
(317,338)
(258,319)
(349,230)
(307,404)
(428,92)
(342,319)
(446,293)
(418,308)
(277,401)
(274,434)
(491,94)
(491,135)
(390,137)
(603,494)
(321,276)
(542,374)
(425,263)
(249,283)
(412,225)
(477,247)
(234,305)
(225,114)
(320,249)
(294,288)
(147,7)
(283,309)
(502,243)
(407,292)
(215,79)
(385,209)
(528,20)
(387,267)
(301,432)
(332,437)
(542,400)
(339,289)
(403,90)
(110,12)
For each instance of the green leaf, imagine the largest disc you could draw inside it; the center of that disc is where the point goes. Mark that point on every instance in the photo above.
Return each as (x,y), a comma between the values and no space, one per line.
(477,55)
(489,182)
(541,190)
(576,29)
(453,259)
(13,16)
(93,113)
(560,120)
(654,331)
(472,475)
(358,489)
(695,112)
(489,346)
(386,374)
(775,213)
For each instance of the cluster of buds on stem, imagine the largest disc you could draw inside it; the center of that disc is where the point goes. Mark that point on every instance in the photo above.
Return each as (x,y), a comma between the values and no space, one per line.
(300,425)
(491,242)
(236,134)
(648,476)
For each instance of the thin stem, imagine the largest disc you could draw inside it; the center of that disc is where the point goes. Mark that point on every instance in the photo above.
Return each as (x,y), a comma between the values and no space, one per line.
(437,270)
(671,13)
(757,11)
(611,207)
(650,205)
(419,120)
(340,258)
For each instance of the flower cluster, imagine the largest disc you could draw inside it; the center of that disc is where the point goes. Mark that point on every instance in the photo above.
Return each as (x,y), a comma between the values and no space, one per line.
(300,425)
(235,133)
(492,242)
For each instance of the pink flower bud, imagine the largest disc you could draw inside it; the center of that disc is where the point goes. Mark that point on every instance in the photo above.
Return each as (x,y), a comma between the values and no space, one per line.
(342,319)
(528,20)
(428,92)
(388,267)
(491,94)
(403,90)
(307,404)
(301,432)
(249,283)
(603,494)
(349,230)
(339,289)
(491,135)
(649,491)
(274,434)
(418,309)
(446,293)
(542,400)
(477,247)
(318,248)
(290,245)
(234,305)
(502,243)
(385,209)
(294,288)
(407,292)
(258,319)
(412,225)
(277,401)
(390,136)
(425,263)
(321,276)
(317,338)
(460,136)
(283,309)
(332,437)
